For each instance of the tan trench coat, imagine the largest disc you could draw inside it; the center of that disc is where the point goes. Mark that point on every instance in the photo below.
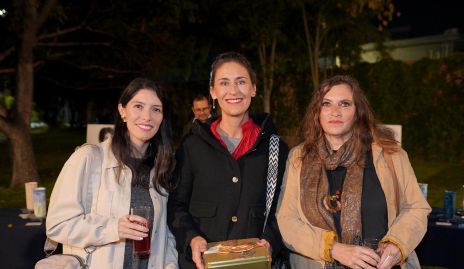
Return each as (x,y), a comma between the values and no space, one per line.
(309,242)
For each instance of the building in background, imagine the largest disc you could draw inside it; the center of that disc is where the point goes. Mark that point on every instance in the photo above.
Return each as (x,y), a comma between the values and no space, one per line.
(410,50)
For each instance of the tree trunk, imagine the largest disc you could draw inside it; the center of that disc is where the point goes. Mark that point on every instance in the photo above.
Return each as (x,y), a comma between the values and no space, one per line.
(24,164)
(267,67)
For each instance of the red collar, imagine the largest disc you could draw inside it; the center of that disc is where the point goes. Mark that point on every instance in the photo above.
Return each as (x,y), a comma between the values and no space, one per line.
(250,132)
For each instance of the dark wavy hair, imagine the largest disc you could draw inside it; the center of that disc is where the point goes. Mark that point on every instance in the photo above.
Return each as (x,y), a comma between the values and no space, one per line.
(160,152)
(365,128)
(103,132)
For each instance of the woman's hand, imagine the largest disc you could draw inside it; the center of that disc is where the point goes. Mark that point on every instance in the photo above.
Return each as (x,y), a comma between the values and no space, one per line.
(132,227)
(198,246)
(264,243)
(355,257)
(390,255)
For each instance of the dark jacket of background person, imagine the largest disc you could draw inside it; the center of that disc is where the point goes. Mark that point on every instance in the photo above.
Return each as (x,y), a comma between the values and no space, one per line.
(207,198)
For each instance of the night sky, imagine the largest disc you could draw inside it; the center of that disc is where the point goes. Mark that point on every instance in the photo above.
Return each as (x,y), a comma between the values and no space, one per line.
(426,17)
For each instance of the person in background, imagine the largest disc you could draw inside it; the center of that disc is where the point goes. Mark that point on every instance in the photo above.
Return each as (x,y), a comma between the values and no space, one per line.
(201,109)
(105,133)
(338,189)
(221,170)
(136,169)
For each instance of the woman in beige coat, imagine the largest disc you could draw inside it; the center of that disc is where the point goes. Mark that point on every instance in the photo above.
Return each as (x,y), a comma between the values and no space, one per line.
(136,165)
(339,191)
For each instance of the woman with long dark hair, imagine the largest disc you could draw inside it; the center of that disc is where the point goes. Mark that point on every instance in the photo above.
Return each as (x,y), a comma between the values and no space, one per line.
(136,166)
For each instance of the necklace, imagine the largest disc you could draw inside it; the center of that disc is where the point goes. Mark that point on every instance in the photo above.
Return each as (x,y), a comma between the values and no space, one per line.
(332,202)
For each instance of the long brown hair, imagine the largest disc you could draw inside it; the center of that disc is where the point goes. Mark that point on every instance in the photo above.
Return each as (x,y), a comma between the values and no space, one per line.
(365,128)
(160,152)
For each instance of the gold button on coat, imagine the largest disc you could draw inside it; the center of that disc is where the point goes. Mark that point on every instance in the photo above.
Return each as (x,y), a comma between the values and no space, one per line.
(234,219)
(235,179)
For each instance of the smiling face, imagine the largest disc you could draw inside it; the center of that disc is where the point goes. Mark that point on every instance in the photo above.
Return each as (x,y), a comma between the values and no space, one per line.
(143,115)
(233,88)
(337,114)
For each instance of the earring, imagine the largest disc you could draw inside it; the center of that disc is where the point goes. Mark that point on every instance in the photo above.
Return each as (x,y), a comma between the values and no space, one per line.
(123,119)
(214,103)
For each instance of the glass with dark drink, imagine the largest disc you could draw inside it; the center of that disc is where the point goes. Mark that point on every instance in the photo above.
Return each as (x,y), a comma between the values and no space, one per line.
(142,247)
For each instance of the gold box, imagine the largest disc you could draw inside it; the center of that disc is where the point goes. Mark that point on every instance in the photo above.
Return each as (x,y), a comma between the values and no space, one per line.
(237,254)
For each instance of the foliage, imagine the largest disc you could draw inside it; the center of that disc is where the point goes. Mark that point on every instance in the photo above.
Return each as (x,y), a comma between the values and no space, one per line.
(88,50)
(427,98)
(334,29)
(442,102)
(7,100)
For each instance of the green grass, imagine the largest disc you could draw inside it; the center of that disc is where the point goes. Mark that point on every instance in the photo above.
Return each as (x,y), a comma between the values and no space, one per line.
(53,148)
(440,176)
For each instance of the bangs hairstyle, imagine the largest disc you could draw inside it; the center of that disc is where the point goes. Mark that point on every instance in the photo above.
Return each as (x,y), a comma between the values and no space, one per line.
(365,129)
(160,152)
(228,57)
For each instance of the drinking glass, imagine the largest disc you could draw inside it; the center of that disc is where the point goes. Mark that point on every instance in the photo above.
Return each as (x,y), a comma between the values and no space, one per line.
(424,189)
(449,204)
(142,247)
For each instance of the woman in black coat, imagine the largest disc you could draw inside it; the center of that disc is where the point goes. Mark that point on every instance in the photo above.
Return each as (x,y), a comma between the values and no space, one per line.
(222,169)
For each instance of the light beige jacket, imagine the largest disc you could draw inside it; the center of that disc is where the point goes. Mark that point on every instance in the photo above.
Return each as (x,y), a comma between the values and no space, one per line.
(405,230)
(68,223)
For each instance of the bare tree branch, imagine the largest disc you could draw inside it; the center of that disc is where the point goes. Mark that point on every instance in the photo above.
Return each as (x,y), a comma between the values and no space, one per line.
(6,53)
(61,32)
(58,55)
(49,5)
(13,70)
(100,32)
(92,7)
(98,67)
(73,44)
(64,85)
(106,69)
(47,8)
(7,70)
(84,87)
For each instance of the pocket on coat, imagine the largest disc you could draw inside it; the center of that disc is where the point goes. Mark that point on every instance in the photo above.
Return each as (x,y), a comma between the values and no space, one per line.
(256,220)
(203,215)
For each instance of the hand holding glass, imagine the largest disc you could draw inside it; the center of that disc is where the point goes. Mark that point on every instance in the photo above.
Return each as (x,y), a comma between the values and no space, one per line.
(142,247)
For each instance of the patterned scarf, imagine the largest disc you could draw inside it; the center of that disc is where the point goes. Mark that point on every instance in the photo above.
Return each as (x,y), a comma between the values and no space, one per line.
(315,186)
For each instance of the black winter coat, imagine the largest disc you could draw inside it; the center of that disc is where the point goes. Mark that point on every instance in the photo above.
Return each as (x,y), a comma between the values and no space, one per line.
(220,198)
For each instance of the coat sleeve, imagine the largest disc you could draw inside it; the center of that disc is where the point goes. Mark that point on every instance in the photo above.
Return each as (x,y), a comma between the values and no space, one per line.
(67,222)
(180,221)
(171,259)
(271,232)
(409,227)
(298,235)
